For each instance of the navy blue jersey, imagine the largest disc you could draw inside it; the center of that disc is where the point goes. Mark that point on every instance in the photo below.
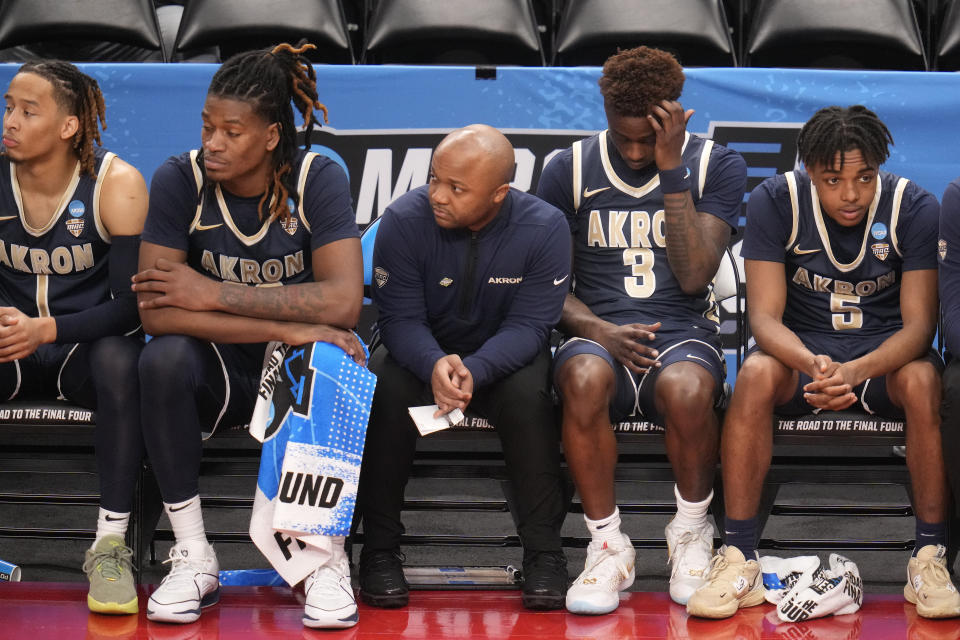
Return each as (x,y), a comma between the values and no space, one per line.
(949,252)
(494,294)
(842,282)
(224,237)
(62,267)
(616,216)
(223,234)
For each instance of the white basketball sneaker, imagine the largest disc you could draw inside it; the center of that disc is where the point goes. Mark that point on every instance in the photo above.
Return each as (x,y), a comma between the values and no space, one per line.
(689,551)
(330,601)
(193,583)
(607,571)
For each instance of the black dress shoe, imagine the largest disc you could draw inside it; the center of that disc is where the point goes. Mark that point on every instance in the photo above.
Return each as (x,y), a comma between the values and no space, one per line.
(381,579)
(545,580)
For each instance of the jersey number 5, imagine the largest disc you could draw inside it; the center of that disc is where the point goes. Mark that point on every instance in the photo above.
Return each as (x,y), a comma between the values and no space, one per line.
(643,281)
(845,314)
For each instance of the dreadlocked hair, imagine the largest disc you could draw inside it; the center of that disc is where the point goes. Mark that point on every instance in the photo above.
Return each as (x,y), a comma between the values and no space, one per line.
(79,95)
(834,130)
(273,81)
(635,80)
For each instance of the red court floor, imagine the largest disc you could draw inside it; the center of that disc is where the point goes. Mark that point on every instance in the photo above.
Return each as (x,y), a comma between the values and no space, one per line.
(41,610)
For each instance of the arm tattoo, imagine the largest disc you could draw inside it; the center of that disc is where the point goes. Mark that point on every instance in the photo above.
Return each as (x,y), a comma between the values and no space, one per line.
(292,303)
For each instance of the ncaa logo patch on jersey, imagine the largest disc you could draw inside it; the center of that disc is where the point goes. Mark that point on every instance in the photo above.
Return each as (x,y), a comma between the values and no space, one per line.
(942,248)
(881,250)
(380,275)
(75,223)
(878,231)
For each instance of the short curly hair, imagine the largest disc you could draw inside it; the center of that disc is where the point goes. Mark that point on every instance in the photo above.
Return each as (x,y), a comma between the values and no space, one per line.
(635,80)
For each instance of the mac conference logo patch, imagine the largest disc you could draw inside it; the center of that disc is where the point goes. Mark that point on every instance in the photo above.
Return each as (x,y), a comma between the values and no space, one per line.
(380,275)
(881,250)
(74,223)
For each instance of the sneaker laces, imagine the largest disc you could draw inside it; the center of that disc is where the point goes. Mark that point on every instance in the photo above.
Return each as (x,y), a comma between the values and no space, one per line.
(686,539)
(325,581)
(934,573)
(718,564)
(183,568)
(110,563)
(602,554)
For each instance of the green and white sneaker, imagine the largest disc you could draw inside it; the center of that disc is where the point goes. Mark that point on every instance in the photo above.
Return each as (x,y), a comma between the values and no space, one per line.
(109,567)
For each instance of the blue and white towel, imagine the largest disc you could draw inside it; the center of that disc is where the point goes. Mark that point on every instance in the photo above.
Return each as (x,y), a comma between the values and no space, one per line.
(311,416)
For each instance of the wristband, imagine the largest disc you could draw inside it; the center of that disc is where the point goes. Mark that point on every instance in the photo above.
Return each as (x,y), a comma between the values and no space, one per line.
(675,180)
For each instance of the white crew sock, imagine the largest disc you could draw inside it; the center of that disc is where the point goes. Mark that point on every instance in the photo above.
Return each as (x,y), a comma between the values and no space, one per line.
(186,520)
(111,523)
(691,514)
(606,529)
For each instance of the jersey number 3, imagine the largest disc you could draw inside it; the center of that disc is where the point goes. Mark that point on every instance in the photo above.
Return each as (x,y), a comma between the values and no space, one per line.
(642,281)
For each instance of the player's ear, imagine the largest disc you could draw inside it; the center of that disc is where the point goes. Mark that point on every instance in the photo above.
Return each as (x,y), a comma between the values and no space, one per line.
(273,136)
(501,192)
(69,127)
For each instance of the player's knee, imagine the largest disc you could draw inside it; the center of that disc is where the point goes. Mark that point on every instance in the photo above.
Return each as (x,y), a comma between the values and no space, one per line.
(760,373)
(686,393)
(168,358)
(115,359)
(585,380)
(917,384)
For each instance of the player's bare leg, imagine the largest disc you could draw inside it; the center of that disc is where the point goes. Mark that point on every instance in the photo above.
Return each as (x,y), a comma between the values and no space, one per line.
(916,388)
(685,396)
(746,447)
(587,385)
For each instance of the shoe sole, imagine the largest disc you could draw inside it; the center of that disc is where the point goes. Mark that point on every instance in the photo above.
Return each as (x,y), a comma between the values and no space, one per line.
(117,608)
(331,622)
(924,611)
(184,617)
(391,601)
(585,608)
(752,599)
(542,602)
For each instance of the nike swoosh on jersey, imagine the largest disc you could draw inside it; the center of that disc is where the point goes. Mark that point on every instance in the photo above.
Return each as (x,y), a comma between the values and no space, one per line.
(588,192)
(561,280)
(802,252)
(207,227)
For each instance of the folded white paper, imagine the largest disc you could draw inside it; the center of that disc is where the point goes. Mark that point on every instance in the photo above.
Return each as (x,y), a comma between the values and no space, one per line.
(426,423)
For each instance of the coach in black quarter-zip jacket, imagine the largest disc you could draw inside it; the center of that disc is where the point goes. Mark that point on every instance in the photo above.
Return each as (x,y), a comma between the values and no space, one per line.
(470,276)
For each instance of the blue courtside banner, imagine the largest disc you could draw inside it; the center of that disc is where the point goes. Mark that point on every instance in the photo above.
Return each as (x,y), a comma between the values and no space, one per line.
(385,120)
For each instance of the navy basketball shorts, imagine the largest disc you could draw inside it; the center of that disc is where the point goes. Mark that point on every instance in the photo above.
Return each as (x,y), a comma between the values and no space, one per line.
(241,366)
(39,374)
(634,396)
(872,396)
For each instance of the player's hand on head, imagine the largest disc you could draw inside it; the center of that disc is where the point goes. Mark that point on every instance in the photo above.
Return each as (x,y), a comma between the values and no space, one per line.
(669,122)
(452,384)
(176,284)
(297,333)
(20,335)
(629,345)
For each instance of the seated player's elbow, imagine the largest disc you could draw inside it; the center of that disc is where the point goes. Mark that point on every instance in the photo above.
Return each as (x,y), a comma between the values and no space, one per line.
(152,322)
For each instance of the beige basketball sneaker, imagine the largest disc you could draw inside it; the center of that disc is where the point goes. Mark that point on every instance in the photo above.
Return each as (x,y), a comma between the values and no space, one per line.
(732,583)
(929,586)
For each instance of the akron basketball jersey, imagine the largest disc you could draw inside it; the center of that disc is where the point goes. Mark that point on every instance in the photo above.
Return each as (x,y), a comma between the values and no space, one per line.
(270,252)
(620,251)
(59,268)
(847,281)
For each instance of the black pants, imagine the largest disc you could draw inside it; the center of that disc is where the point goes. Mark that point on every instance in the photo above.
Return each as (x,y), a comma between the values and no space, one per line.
(522,411)
(950,426)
